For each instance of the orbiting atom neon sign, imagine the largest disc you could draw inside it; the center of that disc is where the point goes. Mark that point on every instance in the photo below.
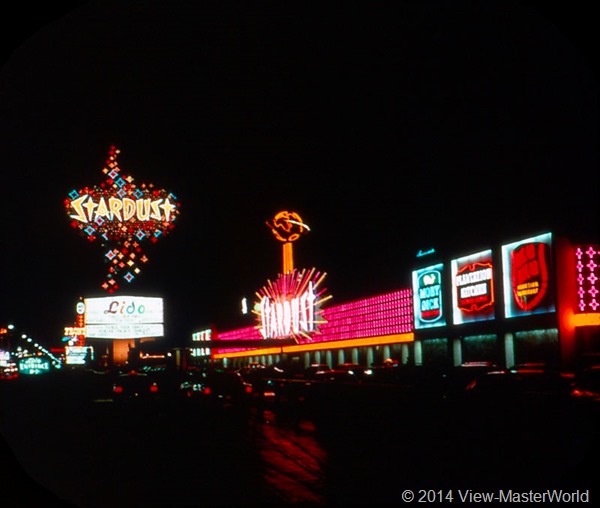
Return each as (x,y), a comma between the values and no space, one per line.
(121,215)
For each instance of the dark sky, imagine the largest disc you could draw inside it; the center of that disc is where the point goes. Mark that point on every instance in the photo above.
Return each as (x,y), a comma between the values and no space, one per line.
(389,127)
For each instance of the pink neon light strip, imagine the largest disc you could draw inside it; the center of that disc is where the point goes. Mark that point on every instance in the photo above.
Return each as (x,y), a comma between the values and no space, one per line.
(387,314)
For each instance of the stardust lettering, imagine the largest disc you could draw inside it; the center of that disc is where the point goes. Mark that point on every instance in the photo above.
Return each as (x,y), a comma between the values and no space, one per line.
(121,209)
(288,317)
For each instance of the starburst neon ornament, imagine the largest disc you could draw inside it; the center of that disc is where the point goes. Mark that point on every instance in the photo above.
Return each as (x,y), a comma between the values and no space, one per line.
(121,216)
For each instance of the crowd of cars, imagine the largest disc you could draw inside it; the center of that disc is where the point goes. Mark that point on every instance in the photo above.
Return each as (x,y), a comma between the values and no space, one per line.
(476,384)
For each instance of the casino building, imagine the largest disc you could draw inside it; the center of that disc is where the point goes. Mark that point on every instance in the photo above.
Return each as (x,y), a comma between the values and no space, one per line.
(530,299)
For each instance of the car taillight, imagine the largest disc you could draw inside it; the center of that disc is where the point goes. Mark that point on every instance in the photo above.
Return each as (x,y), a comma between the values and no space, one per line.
(117,389)
(153,388)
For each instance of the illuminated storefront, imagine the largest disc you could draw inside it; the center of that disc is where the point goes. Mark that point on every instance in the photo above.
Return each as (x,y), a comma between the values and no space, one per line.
(531,300)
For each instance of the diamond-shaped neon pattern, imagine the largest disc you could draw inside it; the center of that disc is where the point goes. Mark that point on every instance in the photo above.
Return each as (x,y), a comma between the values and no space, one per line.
(120,215)
(588,271)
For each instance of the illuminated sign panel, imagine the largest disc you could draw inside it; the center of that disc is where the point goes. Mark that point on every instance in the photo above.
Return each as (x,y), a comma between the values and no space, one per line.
(528,282)
(473,288)
(428,296)
(34,365)
(4,358)
(290,307)
(124,317)
(121,215)
(77,355)
(202,336)
(588,278)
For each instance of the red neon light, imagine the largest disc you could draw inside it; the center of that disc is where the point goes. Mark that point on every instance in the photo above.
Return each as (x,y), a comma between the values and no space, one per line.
(529,274)
(480,302)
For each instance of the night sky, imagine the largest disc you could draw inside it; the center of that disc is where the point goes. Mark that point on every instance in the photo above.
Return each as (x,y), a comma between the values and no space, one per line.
(389,127)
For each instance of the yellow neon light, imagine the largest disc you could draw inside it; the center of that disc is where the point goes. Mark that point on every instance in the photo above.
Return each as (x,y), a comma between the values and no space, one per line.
(337,344)
(588,319)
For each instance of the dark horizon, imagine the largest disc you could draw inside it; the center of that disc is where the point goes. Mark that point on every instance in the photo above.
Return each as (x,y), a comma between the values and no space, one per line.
(446,126)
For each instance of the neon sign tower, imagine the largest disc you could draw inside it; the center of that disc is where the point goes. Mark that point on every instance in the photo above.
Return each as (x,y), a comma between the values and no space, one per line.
(290,307)
(121,216)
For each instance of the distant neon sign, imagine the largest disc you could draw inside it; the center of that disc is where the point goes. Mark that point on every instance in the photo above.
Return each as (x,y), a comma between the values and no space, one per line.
(121,215)
(290,307)
(34,365)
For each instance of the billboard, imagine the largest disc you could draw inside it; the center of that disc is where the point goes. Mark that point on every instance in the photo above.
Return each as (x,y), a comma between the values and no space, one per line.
(473,288)
(427,296)
(78,355)
(527,276)
(124,317)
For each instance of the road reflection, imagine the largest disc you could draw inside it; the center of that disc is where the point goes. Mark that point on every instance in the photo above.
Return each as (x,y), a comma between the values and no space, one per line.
(293,460)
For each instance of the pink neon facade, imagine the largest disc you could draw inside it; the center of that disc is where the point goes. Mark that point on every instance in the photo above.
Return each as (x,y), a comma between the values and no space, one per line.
(386,314)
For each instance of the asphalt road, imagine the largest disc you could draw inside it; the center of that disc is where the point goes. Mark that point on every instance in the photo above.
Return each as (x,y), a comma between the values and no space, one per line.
(67,445)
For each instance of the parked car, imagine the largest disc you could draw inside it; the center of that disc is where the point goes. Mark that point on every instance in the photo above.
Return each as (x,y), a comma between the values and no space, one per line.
(264,384)
(525,389)
(353,368)
(218,389)
(455,379)
(135,386)
(310,371)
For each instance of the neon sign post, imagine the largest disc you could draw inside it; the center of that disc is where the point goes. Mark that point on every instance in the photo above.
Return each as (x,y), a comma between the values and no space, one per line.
(121,215)
(290,306)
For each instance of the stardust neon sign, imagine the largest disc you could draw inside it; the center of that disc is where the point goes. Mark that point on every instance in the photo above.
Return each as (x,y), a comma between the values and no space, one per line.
(288,317)
(121,215)
(290,307)
(121,209)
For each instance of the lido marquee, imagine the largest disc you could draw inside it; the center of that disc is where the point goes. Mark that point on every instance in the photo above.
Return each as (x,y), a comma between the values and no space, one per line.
(124,317)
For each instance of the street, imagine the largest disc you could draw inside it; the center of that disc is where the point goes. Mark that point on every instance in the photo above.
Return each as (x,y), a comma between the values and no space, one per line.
(88,453)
